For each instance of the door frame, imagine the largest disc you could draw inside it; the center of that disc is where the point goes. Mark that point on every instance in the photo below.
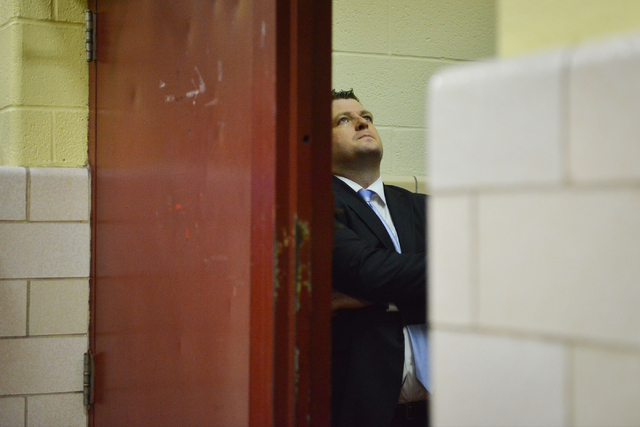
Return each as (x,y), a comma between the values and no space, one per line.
(290,323)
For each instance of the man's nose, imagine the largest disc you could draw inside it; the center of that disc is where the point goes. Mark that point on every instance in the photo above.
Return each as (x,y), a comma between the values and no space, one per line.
(361,123)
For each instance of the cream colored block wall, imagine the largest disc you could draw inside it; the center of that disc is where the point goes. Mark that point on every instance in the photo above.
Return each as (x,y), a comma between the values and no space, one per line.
(44,295)
(532,25)
(43,83)
(386,50)
(535,239)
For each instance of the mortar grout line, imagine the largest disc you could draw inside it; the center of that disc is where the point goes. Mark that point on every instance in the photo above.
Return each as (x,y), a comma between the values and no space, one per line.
(9,23)
(58,108)
(525,188)
(74,221)
(42,22)
(51,336)
(422,128)
(28,306)
(8,279)
(396,56)
(52,393)
(546,337)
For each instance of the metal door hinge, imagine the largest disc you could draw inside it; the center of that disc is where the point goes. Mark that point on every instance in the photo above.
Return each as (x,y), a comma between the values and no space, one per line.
(88,378)
(90,40)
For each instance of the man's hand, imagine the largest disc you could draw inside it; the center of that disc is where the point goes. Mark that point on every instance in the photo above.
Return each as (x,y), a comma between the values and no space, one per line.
(340,301)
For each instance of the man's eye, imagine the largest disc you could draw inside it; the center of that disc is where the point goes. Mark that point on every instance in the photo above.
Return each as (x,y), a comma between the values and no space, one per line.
(368,118)
(342,120)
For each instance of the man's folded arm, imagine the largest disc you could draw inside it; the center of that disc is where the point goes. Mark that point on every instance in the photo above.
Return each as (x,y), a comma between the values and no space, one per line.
(375,274)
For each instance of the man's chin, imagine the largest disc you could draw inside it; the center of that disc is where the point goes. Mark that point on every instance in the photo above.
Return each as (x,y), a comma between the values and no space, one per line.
(372,151)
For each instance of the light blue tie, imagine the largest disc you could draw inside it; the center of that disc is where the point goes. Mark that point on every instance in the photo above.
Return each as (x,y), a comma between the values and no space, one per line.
(366,195)
(417,333)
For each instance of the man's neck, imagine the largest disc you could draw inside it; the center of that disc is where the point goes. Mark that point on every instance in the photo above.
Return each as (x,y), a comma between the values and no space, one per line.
(363,178)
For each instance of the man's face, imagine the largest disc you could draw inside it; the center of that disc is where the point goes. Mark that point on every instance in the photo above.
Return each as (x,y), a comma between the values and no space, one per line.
(354,137)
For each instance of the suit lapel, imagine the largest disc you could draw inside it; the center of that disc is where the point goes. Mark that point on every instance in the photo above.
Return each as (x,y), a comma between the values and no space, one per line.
(363,210)
(401,210)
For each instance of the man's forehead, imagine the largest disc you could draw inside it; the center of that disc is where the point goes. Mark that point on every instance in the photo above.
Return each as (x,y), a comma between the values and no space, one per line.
(346,106)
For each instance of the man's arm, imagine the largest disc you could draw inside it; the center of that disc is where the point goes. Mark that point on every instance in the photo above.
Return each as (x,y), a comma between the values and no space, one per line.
(373,274)
(341,301)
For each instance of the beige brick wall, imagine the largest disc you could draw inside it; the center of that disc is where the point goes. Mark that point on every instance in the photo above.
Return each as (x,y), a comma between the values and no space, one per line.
(43,83)
(386,50)
(44,295)
(535,239)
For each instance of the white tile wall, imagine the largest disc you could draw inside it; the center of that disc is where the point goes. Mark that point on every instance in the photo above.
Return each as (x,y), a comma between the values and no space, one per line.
(498,124)
(607,387)
(604,110)
(452,292)
(483,380)
(562,262)
(41,365)
(56,410)
(44,293)
(59,194)
(59,307)
(13,190)
(13,308)
(44,250)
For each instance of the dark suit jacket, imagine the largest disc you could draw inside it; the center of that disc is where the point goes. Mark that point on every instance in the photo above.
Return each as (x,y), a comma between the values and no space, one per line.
(368,343)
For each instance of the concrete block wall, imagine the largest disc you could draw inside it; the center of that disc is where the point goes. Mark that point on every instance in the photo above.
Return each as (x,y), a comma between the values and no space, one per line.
(526,26)
(43,83)
(44,212)
(44,295)
(535,239)
(386,50)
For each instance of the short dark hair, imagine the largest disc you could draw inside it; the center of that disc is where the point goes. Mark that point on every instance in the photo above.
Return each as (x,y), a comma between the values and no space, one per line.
(343,94)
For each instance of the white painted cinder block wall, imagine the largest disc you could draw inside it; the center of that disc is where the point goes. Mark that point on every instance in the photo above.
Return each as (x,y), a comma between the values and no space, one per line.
(44,295)
(386,50)
(535,239)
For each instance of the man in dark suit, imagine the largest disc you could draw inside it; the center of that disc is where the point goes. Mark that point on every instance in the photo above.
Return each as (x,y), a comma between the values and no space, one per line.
(379,281)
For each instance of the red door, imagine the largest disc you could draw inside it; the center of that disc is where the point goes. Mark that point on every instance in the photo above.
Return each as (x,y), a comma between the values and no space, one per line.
(204,140)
